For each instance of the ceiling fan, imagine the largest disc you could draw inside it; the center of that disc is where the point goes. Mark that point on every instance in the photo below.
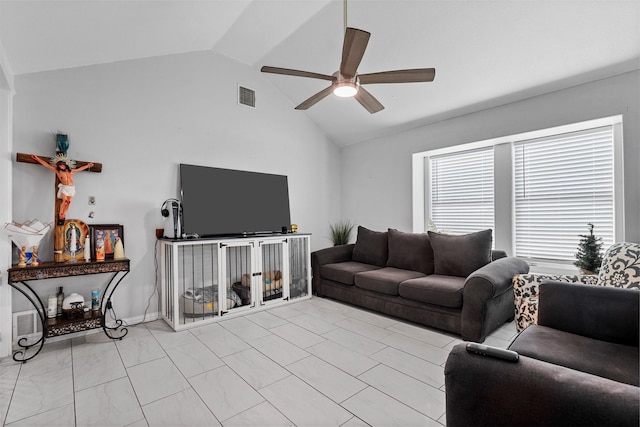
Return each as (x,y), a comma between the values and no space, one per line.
(346,82)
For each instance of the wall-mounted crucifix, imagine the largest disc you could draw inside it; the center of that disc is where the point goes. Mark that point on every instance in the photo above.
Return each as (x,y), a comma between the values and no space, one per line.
(64,169)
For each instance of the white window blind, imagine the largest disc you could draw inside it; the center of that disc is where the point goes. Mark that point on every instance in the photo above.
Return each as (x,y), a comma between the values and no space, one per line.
(462,191)
(562,183)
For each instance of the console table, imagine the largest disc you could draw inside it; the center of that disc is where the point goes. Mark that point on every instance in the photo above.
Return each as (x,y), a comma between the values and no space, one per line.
(51,327)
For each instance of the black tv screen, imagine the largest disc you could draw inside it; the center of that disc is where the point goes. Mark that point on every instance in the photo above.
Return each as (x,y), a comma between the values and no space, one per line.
(222,202)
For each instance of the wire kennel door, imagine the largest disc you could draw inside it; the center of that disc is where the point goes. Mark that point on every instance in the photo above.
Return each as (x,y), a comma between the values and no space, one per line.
(190,288)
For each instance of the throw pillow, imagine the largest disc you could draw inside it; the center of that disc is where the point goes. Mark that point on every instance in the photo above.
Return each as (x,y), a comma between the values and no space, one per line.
(371,247)
(621,266)
(461,255)
(410,251)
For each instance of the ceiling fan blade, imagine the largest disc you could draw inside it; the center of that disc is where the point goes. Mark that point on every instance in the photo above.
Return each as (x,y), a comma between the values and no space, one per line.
(298,73)
(355,43)
(315,98)
(399,76)
(368,101)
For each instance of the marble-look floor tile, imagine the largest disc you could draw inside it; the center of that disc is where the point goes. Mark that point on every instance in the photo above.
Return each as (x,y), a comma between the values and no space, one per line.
(184,408)
(327,379)
(97,368)
(222,342)
(355,422)
(373,318)
(332,305)
(170,339)
(416,394)
(8,377)
(304,405)
(365,329)
(40,393)
(297,335)
(327,313)
(224,392)
(53,357)
(279,350)
(91,344)
(255,368)
(156,379)
(312,323)
(136,350)
(139,423)
(496,342)
(356,342)
(437,339)
(413,366)
(245,329)
(58,417)
(286,312)
(348,360)
(377,409)
(266,319)
(418,348)
(194,358)
(264,415)
(109,404)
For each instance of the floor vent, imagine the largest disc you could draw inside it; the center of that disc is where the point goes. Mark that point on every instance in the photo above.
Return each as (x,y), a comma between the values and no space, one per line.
(26,324)
(246,97)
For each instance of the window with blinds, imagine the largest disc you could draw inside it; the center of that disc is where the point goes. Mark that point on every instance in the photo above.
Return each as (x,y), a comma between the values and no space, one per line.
(461,186)
(562,183)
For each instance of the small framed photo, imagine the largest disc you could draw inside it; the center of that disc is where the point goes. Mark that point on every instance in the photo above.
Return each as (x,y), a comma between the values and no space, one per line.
(104,238)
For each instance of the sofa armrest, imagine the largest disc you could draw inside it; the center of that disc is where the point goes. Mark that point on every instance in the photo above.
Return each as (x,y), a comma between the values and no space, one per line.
(482,390)
(483,285)
(598,312)
(333,254)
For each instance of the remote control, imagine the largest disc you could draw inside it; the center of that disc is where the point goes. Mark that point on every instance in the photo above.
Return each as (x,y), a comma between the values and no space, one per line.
(487,350)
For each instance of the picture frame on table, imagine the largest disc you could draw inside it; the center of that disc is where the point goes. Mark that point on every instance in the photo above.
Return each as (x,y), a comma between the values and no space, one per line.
(109,234)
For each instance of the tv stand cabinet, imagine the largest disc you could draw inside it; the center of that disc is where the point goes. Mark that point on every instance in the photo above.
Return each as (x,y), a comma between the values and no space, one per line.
(206,280)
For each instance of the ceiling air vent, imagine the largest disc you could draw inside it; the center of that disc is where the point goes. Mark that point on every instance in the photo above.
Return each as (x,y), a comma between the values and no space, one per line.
(246,97)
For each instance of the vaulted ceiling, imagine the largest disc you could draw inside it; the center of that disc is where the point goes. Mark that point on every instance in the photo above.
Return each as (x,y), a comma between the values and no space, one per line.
(486,52)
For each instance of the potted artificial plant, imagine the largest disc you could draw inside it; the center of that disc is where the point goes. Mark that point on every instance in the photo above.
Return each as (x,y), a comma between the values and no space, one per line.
(341,232)
(589,255)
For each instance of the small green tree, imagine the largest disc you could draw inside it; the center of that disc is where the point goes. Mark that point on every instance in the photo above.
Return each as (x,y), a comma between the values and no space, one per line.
(589,255)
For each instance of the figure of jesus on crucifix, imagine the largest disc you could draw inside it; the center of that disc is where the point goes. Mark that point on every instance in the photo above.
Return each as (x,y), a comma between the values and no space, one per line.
(64,169)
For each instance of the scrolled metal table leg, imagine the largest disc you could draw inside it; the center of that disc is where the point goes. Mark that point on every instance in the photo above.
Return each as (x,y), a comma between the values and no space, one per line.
(21,355)
(104,307)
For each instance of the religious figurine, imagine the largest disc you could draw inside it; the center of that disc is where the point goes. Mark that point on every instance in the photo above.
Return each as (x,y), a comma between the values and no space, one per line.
(118,251)
(63,167)
(62,143)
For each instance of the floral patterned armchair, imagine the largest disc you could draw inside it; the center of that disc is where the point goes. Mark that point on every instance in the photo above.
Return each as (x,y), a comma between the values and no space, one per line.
(620,268)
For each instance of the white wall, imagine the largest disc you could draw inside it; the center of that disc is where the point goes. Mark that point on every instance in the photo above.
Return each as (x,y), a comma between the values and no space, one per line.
(6,95)
(141,119)
(377,174)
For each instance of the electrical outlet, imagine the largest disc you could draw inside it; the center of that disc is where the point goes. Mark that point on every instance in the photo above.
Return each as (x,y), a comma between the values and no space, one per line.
(92,200)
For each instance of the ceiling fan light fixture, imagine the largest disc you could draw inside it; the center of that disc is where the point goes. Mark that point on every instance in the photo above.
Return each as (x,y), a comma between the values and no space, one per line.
(345,89)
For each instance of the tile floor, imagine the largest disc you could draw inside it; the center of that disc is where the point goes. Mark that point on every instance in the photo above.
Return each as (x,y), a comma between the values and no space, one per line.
(314,362)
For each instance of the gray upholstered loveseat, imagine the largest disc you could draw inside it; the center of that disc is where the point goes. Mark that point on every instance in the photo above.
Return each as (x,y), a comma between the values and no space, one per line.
(577,367)
(453,283)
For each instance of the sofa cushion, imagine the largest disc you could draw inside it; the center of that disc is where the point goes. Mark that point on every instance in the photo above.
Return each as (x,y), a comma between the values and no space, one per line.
(384,280)
(616,362)
(371,247)
(445,291)
(410,251)
(460,255)
(344,272)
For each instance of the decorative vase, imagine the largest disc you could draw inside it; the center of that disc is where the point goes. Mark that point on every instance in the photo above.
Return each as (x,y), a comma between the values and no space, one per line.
(118,250)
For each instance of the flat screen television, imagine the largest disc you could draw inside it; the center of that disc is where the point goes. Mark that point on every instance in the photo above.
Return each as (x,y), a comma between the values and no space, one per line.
(226,202)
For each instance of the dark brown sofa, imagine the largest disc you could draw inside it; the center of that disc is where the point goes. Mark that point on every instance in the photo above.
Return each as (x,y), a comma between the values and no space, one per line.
(577,367)
(453,283)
